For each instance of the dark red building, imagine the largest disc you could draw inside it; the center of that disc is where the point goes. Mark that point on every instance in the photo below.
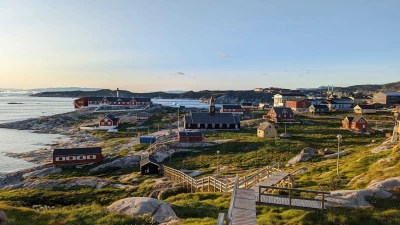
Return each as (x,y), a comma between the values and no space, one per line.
(109,122)
(298,106)
(236,109)
(280,114)
(89,102)
(190,137)
(149,166)
(356,123)
(77,156)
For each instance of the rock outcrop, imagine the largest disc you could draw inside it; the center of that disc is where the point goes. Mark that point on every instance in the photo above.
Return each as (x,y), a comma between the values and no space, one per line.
(51,183)
(358,198)
(122,163)
(334,155)
(299,158)
(309,150)
(42,172)
(137,206)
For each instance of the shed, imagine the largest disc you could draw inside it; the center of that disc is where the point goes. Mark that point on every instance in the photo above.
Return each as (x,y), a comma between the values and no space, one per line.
(149,166)
(364,109)
(190,137)
(267,130)
(318,109)
(77,156)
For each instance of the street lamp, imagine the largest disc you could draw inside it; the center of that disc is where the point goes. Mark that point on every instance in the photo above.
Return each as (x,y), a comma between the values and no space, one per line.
(217,162)
(339,137)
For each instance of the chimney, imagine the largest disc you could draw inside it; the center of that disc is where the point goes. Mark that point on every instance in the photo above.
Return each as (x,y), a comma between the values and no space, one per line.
(117,92)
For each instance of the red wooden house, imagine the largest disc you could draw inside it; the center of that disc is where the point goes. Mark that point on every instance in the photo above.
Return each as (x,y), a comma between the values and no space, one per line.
(298,105)
(235,109)
(109,122)
(280,114)
(190,137)
(356,123)
(76,156)
(89,102)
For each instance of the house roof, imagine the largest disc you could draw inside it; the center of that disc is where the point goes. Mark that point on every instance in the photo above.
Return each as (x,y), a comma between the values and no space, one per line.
(292,94)
(342,101)
(247,104)
(354,118)
(320,106)
(217,118)
(231,107)
(111,117)
(77,151)
(190,134)
(265,125)
(95,98)
(280,110)
(142,99)
(366,106)
(148,160)
(392,93)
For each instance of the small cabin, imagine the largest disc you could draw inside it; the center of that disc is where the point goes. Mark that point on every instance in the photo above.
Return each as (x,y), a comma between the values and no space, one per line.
(356,123)
(149,166)
(109,122)
(235,109)
(267,130)
(147,139)
(190,137)
(77,156)
(318,109)
(364,109)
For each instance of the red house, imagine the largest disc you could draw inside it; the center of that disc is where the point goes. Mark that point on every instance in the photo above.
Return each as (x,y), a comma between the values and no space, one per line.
(190,137)
(109,122)
(356,123)
(76,156)
(280,114)
(94,102)
(235,109)
(298,106)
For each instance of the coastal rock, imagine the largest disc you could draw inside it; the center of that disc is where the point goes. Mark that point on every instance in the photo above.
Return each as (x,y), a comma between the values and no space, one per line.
(334,155)
(50,183)
(309,150)
(3,218)
(381,149)
(124,162)
(42,172)
(137,206)
(128,178)
(286,135)
(299,158)
(42,184)
(357,198)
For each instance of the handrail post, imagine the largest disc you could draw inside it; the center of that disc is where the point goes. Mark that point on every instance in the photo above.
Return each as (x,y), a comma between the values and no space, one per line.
(323,202)
(208,184)
(191,188)
(202,185)
(215,184)
(259,193)
(290,198)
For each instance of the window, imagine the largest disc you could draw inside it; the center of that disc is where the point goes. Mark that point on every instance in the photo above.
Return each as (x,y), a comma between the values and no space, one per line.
(102,123)
(228,126)
(188,124)
(213,126)
(91,157)
(198,125)
(81,157)
(59,158)
(220,125)
(71,158)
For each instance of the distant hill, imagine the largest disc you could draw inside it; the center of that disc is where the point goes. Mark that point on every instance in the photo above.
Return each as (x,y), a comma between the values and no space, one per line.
(372,87)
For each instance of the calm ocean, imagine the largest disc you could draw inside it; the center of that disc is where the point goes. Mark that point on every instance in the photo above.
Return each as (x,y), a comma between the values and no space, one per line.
(22,140)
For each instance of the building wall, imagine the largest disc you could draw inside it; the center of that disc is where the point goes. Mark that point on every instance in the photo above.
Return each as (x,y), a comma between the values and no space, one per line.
(267,133)
(81,102)
(190,139)
(66,160)
(149,168)
(234,111)
(364,111)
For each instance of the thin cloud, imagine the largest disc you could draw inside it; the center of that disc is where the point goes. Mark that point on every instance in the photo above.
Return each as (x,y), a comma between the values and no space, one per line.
(178,74)
(223,55)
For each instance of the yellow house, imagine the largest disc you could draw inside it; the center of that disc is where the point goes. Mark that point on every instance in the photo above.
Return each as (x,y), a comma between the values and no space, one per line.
(267,130)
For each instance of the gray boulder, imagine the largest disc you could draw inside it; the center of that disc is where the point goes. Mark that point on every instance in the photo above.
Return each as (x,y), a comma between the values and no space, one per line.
(334,155)
(123,163)
(357,198)
(299,158)
(3,218)
(137,206)
(42,172)
(309,150)
(286,135)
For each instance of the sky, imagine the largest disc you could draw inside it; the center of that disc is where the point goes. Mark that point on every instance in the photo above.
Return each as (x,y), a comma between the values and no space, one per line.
(160,45)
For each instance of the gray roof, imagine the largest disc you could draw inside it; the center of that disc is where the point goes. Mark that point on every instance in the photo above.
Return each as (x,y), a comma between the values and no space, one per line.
(342,101)
(231,107)
(77,151)
(354,118)
(320,106)
(392,93)
(116,99)
(265,125)
(111,117)
(147,160)
(95,98)
(140,99)
(367,106)
(279,110)
(217,118)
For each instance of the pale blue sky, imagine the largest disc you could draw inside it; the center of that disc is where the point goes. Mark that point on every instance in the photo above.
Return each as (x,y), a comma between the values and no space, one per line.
(155,45)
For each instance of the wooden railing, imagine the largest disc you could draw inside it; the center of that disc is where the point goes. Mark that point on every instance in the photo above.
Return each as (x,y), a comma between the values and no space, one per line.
(290,200)
(212,184)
